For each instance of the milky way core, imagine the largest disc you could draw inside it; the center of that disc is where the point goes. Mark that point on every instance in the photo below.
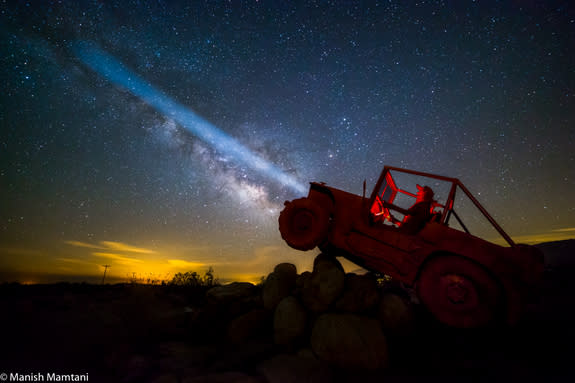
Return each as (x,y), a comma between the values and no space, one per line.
(115,72)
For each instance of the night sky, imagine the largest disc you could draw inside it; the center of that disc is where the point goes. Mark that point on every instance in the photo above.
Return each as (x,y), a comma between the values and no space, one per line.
(104,167)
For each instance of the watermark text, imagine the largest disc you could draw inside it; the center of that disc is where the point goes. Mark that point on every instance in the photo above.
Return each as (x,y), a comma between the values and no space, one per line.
(42,377)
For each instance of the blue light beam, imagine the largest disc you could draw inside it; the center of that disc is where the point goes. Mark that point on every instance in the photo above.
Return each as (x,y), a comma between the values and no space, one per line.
(114,71)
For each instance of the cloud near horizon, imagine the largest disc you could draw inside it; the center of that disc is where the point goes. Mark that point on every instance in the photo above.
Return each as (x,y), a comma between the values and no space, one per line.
(119,258)
(567,229)
(128,259)
(549,236)
(111,245)
(179,263)
(73,260)
(119,246)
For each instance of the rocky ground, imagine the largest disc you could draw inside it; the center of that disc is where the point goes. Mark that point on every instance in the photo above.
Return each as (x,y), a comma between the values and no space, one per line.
(320,326)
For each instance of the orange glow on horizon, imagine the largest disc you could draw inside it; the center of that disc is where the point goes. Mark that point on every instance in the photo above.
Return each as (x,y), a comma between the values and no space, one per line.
(534,239)
(77,260)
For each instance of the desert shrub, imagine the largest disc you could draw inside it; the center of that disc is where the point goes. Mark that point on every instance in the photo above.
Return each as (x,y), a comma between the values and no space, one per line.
(146,279)
(194,279)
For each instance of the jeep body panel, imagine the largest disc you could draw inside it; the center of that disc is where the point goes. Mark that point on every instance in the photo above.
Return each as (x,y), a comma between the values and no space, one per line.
(353,233)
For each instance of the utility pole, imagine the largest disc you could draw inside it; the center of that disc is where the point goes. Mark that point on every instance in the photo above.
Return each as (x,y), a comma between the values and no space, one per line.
(105,269)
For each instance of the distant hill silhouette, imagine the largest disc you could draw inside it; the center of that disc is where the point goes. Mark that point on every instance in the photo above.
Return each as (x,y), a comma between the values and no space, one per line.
(558,253)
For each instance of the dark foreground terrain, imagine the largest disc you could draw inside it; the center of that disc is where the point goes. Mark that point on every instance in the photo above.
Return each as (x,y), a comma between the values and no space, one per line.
(140,333)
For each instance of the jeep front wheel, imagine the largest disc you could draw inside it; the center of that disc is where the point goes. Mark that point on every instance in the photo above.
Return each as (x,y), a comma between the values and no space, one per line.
(459,292)
(303,224)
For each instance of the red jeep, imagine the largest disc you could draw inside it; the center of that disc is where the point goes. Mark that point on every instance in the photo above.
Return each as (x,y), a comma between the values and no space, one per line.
(463,280)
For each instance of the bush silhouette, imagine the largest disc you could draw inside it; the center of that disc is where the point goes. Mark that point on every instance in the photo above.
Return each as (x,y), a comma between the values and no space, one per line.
(193,279)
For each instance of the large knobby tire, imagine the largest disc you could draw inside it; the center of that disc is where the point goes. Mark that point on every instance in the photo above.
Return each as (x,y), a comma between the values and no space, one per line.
(303,224)
(459,292)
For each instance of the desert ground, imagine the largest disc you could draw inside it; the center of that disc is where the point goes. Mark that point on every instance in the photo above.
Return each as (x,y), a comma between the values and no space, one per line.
(143,333)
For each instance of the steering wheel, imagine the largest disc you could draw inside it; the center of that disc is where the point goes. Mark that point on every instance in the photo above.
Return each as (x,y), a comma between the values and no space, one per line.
(379,210)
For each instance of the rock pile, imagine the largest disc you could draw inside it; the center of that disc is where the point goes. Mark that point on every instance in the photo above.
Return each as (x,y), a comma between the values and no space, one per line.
(317,320)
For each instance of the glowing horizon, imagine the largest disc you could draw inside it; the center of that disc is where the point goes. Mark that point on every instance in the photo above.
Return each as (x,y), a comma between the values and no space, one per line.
(129,260)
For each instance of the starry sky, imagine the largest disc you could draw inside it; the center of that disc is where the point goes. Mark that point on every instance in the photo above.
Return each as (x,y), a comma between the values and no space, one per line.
(94,172)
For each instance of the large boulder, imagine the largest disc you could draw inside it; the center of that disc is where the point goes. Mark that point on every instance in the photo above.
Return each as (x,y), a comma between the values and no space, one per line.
(324,285)
(349,341)
(286,269)
(396,314)
(249,325)
(322,257)
(360,293)
(300,283)
(290,319)
(230,293)
(279,284)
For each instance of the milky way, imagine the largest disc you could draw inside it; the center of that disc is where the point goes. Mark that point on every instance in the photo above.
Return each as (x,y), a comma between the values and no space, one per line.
(312,91)
(114,71)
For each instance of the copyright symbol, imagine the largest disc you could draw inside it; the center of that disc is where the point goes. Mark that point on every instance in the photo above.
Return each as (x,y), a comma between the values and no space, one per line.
(3,376)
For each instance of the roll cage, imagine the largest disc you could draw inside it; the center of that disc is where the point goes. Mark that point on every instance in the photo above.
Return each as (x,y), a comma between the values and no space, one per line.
(387,189)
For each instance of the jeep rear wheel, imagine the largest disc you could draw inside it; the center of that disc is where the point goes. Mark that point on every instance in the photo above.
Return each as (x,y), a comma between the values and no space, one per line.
(303,224)
(459,292)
